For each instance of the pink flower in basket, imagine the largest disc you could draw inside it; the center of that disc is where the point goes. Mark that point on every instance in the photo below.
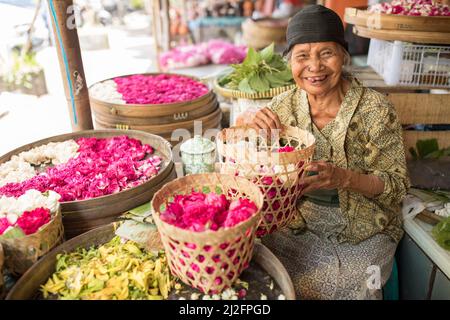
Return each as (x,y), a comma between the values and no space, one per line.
(199,212)
(31,221)
(4,224)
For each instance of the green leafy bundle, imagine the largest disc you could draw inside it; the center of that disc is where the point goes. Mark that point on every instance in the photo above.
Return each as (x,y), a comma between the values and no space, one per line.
(428,149)
(259,72)
(441,233)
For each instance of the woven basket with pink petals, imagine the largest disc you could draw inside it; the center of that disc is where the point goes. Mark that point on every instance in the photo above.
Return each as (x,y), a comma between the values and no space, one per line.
(274,162)
(208,260)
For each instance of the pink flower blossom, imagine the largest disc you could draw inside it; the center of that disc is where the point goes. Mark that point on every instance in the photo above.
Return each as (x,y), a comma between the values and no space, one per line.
(200,212)
(412,8)
(159,89)
(4,224)
(102,167)
(31,221)
(286,149)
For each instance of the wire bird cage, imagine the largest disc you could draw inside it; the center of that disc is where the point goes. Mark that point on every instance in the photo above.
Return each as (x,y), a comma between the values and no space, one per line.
(408,64)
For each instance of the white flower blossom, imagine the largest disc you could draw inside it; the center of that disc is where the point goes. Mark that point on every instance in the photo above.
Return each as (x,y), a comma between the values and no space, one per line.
(228,294)
(195,296)
(106,91)
(20,167)
(444,212)
(30,200)
(12,218)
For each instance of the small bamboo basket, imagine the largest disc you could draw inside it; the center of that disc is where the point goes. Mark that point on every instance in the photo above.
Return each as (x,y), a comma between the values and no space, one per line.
(22,253)
(212,260)
(245,152)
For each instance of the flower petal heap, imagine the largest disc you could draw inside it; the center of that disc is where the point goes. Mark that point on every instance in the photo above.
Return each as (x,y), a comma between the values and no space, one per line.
(159,89)
(102,167)
(199,212)
(427,8)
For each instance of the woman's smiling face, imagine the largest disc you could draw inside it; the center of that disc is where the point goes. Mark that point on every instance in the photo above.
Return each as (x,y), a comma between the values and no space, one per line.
(317,67)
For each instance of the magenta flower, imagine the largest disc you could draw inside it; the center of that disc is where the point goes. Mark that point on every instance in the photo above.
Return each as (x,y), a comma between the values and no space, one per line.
(4,224)
(200,212)
(159,89)
(31,221)
(102,167)
(286,149)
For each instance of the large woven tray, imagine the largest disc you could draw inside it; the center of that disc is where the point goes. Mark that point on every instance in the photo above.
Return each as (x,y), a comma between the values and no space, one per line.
(264,268)
(396,22)
(82,215)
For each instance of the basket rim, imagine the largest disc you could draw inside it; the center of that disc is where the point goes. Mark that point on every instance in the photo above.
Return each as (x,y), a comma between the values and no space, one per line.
(284,157)
(230,93)
(149,105)
(254,219)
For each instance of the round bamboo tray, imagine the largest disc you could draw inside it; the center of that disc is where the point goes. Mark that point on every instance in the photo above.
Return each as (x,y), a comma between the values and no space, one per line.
(153,114)
(190,112)
(384,21)
(261,33)
(402,35)
(210,121)
(236,94)
(27,287)
(83,215)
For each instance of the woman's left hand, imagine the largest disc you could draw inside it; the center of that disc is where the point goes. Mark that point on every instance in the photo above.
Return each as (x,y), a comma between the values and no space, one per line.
(328,177)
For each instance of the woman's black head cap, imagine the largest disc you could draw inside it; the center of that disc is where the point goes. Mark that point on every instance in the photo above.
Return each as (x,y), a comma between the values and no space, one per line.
(315,23)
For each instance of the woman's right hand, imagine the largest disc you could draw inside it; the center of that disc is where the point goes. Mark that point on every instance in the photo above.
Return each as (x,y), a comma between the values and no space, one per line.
(263,118)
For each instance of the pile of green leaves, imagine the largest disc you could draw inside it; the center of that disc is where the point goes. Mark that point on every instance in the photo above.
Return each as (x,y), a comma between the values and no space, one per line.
(259,72)
(428,149)
(441,233)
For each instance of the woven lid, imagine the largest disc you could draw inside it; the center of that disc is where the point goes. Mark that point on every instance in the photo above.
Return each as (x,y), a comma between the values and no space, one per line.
(198,145)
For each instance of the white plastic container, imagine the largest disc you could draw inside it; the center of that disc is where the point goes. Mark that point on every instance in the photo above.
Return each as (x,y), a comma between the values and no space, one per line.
(408,64)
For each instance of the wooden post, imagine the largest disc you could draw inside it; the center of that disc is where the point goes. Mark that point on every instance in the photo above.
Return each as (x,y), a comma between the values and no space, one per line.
(161,27)
(62,14)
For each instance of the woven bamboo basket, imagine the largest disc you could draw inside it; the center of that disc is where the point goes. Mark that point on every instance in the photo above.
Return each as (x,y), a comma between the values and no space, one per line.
(247,153)
(261,33)
(114,113)
(212,260)
(171,131)
(394,22)
(83,215)
(22,253)
(236,94)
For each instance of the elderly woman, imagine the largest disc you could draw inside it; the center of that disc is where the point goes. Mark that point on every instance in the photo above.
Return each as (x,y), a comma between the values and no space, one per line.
(342,244)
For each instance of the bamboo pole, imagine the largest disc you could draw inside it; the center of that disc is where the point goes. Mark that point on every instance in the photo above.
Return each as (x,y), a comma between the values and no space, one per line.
(71,65)
(161,28)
